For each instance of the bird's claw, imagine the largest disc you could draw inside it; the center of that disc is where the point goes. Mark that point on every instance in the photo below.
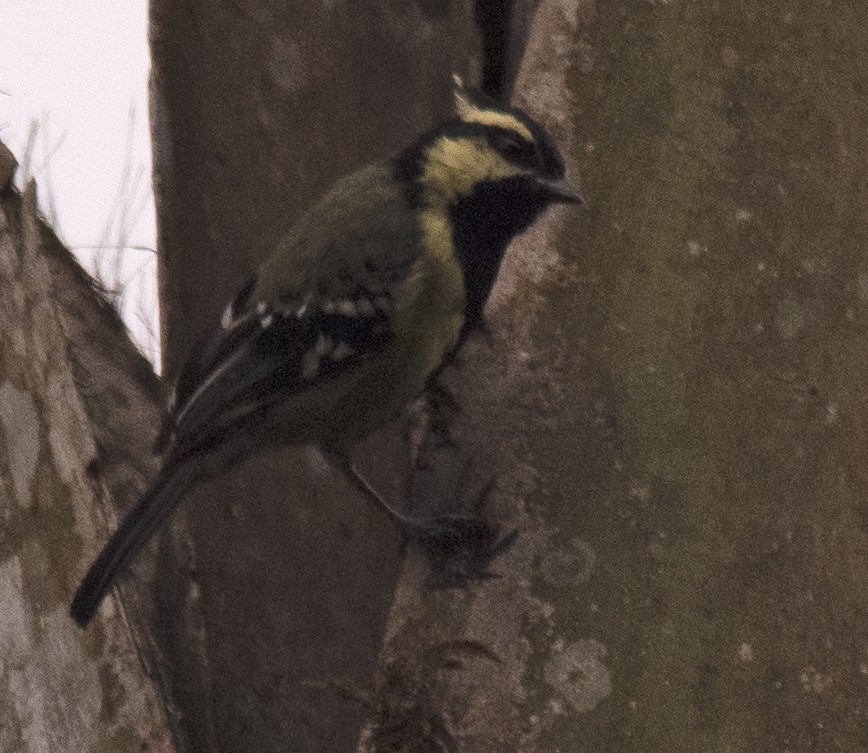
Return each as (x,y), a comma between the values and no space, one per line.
(460,548)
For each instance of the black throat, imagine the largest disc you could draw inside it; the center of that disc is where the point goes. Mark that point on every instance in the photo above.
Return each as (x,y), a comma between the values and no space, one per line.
(483,225)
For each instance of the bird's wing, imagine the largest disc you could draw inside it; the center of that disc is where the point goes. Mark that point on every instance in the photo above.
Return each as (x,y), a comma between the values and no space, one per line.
(267,352)
(318,308)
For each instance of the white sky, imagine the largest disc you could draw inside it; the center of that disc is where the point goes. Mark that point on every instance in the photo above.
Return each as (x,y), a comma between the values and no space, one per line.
(79,68)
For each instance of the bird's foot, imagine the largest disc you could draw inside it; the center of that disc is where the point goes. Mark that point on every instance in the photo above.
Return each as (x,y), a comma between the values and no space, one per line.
(460,547)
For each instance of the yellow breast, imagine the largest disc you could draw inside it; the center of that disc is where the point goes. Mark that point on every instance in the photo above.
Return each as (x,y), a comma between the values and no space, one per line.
(442,307)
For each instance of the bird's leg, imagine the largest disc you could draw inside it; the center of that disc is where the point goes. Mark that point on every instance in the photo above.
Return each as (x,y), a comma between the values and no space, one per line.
(414,528)
(343,464)
(460,547)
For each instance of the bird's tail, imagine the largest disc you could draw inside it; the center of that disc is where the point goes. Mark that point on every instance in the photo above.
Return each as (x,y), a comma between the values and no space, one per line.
(133,533)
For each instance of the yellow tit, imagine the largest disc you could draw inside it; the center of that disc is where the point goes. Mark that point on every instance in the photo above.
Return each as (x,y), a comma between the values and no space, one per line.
(362,301)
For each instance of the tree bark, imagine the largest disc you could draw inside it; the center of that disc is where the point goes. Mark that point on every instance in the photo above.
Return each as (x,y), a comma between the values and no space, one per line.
(670,396)
(74,398)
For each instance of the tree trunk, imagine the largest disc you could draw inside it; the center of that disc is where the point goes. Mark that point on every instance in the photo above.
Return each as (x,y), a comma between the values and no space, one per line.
(75,397)
(670,397)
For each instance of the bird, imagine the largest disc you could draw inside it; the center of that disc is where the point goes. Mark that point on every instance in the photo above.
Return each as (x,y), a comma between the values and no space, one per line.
(360,305)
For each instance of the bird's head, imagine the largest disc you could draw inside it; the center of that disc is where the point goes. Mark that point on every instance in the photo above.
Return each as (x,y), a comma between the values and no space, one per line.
(491,161)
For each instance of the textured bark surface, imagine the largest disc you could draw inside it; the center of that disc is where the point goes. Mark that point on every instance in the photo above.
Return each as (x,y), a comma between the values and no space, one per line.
(672,397)
(256,110)
(75,397)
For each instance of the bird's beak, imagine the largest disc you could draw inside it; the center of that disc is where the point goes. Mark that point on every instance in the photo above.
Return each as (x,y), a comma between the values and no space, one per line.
(558,191)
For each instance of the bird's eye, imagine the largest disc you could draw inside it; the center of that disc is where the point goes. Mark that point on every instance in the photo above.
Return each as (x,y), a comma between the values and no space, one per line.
(514,148)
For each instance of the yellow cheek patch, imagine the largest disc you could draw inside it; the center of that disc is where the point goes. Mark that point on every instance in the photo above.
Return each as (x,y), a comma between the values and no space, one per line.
(455,166)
